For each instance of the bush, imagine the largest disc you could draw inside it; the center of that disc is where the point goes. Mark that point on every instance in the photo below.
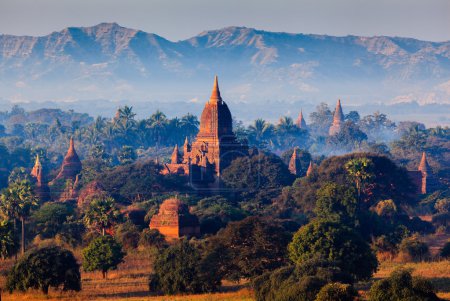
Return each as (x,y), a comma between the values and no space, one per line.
(400,286)
(44,268)
(180,269)
(336,242)
(445,251)
(411,249)
(336,292)
(103,253)
(301,282)
(128,235)
(152,238)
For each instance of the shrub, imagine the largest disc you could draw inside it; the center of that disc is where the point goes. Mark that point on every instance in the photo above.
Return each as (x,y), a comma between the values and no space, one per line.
(336,292)
(442,205)
(50,218)
(128,235)
(152,238)
(180,269)
(44,268)
(301,282)
(400,285)
(103,253)
(336,242)
(445,251)
(411,249)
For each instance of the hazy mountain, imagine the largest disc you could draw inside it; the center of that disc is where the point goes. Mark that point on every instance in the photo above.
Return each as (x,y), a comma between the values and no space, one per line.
(108,61)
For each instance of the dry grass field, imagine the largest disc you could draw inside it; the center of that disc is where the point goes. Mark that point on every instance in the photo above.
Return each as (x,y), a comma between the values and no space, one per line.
(129,282)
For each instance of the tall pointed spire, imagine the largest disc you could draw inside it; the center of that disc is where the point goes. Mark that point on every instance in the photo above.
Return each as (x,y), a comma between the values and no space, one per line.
(71,165)
(293,164)
(215,94)
(338,119)
(310,169)
(37,167)
(423,166)
(175,159)
(301,123)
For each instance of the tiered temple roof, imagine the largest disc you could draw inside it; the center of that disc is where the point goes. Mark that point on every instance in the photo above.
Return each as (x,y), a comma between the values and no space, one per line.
(71,165)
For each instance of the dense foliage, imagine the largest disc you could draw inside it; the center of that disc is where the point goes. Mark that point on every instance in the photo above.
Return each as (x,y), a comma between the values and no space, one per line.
(181,269)
(44,268)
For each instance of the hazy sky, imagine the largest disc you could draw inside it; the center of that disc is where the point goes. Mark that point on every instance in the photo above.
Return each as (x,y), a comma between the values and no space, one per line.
(180,19)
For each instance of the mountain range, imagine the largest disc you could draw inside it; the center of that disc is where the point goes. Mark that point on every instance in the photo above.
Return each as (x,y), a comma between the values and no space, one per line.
(111,62)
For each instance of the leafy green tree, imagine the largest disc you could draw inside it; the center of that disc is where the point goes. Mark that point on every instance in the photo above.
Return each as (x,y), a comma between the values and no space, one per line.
(44,268)
(360,170)
(337,202)
(50,218)
(8,240)
(334,241)
(103,254)
(16,202)
(181,269)
(401,285)
(250,247)
(101,214)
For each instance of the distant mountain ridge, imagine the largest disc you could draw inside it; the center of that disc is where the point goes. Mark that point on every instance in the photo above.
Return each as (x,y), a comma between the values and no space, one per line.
(113,62)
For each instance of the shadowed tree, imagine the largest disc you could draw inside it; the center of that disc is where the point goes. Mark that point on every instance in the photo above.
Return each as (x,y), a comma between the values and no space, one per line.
(101,214)
(16,202)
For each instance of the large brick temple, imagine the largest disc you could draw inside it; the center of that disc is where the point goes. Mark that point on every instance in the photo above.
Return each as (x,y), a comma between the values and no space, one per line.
(214,147)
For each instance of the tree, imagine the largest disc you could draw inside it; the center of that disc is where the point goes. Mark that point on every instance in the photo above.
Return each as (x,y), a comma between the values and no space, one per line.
(337,202)
(44,268)
(412,249)
(401,285)
(101,214)
(127,155)
(8,239)
(360,170)
(152,238)
(103,254)
(50,218)
(336,292)
(181,269)
(128,235)
(334,241)
(16,202)
(250,247)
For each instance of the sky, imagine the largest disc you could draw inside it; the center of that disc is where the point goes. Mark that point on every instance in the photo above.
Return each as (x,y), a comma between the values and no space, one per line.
(182,19)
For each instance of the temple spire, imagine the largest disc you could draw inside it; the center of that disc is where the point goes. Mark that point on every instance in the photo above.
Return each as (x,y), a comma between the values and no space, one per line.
(293,164)
(423,166)
(37,167)
(301,123)
(310,169)
(215,94)
(338,119)
(175,159)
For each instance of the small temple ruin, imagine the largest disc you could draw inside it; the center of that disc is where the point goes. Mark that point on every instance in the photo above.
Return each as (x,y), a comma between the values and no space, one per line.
(214,147)
(174,220)
(338,120)
(422,177)
(42,190)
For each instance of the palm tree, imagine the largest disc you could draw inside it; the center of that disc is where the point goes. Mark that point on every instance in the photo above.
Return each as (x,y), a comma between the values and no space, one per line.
(101,214)
(189,124)
(261,132)
(16,202)
(360,170)
(158,125)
